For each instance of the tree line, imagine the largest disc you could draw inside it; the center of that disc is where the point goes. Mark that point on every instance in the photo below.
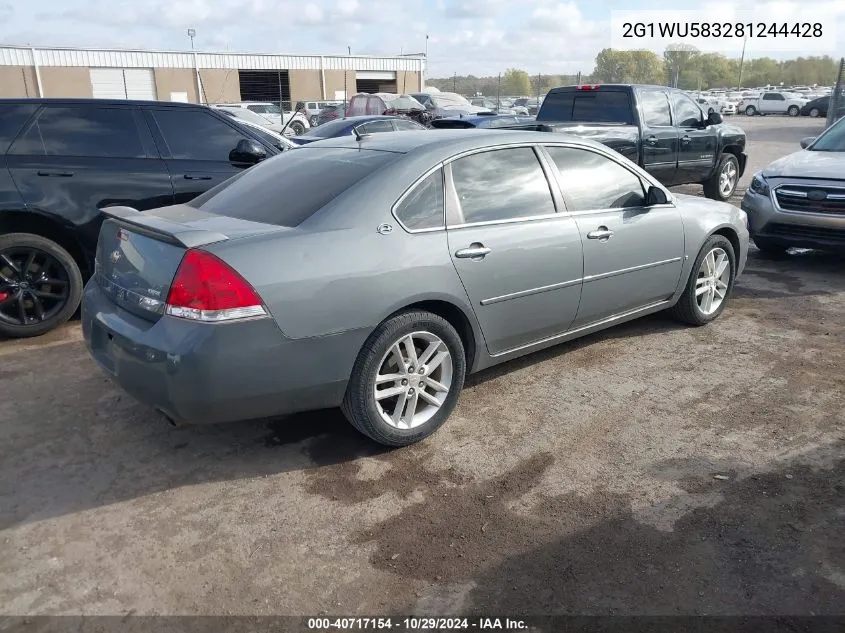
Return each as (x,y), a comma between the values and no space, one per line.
(681,66)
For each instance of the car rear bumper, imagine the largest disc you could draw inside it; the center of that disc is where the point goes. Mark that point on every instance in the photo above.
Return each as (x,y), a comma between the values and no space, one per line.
(805,230)
(207,373)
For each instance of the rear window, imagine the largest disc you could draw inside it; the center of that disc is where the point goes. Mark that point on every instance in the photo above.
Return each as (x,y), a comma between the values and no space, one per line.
(599,106)
(282,190)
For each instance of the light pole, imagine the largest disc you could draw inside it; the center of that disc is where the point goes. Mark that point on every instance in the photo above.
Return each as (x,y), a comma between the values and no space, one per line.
(425,65)
(741,61)
(192,34)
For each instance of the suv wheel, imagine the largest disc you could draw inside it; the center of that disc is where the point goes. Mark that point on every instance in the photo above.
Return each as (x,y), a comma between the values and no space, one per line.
(297,128)
(750,110)
(40,285)
(814,112)
(313,120)
(793,111)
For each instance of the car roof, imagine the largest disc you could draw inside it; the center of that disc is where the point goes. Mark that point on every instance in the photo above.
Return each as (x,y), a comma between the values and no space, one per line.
(442,143)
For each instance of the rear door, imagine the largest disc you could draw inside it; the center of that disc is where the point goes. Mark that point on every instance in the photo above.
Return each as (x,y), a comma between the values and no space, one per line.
(196,146)
(696,143)
(73,159)
(518,258)
(659,136)
(633,254)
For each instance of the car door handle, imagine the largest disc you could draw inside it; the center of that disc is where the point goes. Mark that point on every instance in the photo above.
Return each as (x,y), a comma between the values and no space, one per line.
(476,250)
(686,140)
(651,140)
(196,177)
(602,233)
(56,174)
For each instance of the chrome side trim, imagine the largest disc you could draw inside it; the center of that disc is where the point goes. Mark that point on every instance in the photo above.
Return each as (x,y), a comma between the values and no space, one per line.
(668,205)
(614,273)
(531,218)
(532,291)
(569,333)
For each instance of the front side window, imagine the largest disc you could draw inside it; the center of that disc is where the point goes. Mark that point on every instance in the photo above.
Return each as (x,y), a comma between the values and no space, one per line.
(591,181)
(687,113)
(82,131)
(423,207)
(193,135)
(502,184)
(655,108)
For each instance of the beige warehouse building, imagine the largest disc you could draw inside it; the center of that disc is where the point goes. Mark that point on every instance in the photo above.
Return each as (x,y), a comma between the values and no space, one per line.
(200,77)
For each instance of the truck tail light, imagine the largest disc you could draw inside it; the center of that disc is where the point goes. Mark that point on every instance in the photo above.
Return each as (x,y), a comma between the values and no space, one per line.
(588,87)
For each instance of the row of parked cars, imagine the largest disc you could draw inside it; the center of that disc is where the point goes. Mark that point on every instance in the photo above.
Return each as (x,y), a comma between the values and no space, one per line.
(765,102)
(222,285)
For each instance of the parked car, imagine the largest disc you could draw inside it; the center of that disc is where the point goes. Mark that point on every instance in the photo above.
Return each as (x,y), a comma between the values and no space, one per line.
(479,121)
(64,159)
(361,124)
(282,143)
(419,259)
(708,104)
(330,113)
(248,116)
(387,103)
(816,107)
(296,122)
(799,200)
(446,104)
(774,103)
(661,129)
(532,106)
(501,108)
(312,109)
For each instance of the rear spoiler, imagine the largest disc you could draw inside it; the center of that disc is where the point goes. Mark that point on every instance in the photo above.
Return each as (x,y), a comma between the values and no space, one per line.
(161,229)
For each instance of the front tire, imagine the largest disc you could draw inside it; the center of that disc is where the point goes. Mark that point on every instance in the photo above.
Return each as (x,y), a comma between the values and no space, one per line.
(793,111)
(313,120)
(722,184)
(814,112)
(406,379)
(40,285)
(750,110)
(710,283)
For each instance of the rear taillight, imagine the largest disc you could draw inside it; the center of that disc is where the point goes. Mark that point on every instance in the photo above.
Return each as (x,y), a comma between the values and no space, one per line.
(205,288)
(588,87)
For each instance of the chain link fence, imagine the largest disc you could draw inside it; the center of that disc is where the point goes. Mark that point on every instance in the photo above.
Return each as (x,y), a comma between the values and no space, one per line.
(836,108)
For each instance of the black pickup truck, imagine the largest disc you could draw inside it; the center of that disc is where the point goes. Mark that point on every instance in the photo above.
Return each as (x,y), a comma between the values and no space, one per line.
(661,129)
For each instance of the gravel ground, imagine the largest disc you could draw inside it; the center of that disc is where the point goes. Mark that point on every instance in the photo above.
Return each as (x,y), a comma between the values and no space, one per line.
(649,469)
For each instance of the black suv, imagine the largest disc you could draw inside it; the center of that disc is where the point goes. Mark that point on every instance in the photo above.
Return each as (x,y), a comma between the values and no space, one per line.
(61,160)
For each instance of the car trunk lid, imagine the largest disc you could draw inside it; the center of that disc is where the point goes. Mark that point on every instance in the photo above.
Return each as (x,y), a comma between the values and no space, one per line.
(138,253)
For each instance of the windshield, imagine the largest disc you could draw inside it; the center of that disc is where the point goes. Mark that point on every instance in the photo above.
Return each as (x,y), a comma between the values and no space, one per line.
(832,140)
(599,106)
(330,129)
(449,100)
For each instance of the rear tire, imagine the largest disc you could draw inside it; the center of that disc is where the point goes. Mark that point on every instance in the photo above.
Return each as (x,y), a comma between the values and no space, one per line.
(30,305)
(750,110)
(297,128)
(313,120)
(793,111)
(688,309)
(722,184)
(443,365)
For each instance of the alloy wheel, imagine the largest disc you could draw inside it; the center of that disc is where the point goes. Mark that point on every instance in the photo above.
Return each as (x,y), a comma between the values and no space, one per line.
(34,286)
(711,286)
(727,179)
(413,380)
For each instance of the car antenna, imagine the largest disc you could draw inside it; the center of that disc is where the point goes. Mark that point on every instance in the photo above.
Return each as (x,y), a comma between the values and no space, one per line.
(358,136)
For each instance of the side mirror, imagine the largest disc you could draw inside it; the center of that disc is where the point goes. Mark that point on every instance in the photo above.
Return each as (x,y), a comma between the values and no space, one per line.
(806,142)
(248,151)
(655,195)
(714,118)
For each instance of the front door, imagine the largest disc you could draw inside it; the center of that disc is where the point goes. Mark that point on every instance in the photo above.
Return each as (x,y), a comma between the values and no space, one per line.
(773,103)
(632,254)
(73,159)
(660,137)
(696,143)
(196,146)
(518,258)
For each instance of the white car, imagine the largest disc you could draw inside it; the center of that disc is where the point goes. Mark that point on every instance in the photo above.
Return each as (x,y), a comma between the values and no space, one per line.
(774,103)
(268,135)
(272,113)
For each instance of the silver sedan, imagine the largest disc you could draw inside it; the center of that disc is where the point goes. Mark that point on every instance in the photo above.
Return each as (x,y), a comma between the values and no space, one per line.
(376,273)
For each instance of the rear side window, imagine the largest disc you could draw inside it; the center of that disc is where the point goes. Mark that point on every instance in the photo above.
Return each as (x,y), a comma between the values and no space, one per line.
(600,106)
(376,127)
(655,107)
(281,190)
(591,181)
(423,207)
(12,118)
(82,131)
(196,135)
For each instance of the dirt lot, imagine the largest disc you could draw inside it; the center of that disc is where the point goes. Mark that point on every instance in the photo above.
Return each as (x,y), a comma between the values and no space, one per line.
(650,469)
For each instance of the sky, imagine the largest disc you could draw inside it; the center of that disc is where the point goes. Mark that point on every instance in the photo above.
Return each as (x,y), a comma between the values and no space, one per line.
(480,37)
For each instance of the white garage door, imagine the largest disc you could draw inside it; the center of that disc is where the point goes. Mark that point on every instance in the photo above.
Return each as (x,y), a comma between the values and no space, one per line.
(123,83)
